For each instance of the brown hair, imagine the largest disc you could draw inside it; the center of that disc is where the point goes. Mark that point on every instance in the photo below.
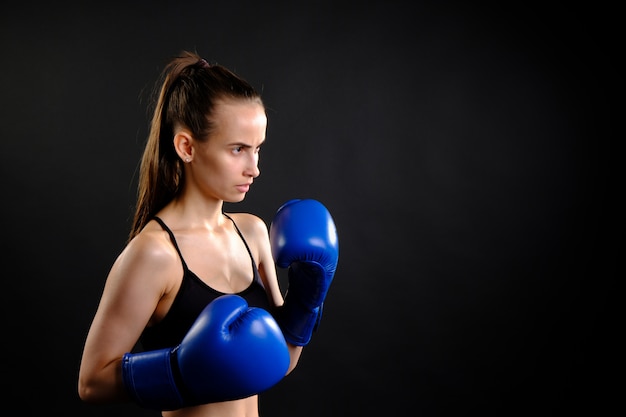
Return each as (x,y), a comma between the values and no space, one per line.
(189,89)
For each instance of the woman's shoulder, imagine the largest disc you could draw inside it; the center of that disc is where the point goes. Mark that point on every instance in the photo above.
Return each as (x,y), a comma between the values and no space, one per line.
(152,244)
(147,262)
(252,226)
(247,220)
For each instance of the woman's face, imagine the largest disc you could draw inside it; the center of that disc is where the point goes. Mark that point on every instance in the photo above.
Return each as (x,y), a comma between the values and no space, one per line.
(227,163)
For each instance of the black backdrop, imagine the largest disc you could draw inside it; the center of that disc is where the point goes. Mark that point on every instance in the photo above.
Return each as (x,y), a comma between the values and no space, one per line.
(465,151)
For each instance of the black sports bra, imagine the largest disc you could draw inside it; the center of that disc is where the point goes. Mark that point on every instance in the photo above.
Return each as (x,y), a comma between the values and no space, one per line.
(191,299)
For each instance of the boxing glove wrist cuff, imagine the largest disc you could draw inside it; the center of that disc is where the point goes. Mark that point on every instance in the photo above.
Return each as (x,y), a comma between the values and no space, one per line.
(151,381)
(307,284)
(297,323)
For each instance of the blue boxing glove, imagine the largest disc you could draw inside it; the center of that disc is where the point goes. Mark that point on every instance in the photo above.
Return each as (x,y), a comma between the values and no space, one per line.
(304,238)
(231,351)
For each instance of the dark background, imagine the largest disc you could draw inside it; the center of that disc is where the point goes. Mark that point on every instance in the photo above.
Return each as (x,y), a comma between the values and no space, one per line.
(466,152)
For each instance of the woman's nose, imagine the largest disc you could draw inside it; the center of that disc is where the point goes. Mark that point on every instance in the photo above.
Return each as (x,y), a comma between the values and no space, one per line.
(253,168)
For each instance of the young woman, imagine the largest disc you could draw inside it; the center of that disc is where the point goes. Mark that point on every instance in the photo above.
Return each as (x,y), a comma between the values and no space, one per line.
(194,285)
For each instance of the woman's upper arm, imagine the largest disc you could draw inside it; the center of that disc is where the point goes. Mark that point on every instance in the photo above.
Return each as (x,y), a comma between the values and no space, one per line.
(257,230)
(134,286)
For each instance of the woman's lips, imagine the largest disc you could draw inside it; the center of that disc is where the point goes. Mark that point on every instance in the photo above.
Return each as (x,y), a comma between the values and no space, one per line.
(243,188)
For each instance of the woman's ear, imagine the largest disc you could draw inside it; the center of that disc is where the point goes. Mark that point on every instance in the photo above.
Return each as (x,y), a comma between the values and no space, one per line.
(183,144)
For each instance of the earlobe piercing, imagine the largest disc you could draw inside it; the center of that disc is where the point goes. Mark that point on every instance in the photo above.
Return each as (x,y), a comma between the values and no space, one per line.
(187,159)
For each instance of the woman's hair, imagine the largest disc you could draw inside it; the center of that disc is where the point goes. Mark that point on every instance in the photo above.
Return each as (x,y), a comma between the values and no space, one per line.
(187,96)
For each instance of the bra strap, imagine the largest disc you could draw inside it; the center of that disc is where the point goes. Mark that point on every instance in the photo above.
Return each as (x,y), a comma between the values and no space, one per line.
(173,239)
